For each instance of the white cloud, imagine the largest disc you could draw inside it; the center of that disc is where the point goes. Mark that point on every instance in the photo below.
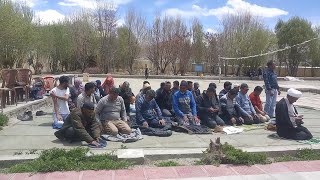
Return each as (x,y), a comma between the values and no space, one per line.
(210,30)
(231,7)
(49,16)
(31,3)
(120,22)
(91,4)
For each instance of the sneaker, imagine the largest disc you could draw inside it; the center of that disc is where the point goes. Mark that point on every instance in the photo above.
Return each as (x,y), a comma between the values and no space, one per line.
(41,113)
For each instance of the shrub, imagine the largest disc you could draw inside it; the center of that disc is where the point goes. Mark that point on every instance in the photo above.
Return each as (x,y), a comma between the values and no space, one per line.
(3,120)
(167,164)
(68,160)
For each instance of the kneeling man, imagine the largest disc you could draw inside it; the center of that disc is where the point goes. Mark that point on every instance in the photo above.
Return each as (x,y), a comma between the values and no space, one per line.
(111,112)
(148,112)
(288,122)
(81,125)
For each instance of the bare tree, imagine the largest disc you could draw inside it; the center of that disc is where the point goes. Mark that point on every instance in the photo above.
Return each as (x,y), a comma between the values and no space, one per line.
(198,46)
(244,35)
(136,25)
(153,46)
(106,24)
(211,51)
(83,35)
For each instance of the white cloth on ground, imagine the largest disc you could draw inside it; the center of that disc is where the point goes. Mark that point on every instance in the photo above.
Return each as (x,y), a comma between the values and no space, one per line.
(232,130)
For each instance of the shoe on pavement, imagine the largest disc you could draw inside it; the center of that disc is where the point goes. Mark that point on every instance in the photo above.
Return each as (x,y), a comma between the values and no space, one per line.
(26,116)
(41,113)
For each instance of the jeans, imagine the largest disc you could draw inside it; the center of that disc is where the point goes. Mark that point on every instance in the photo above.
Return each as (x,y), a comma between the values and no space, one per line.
(167,113)
(211,121)
(56,124)
(271,102)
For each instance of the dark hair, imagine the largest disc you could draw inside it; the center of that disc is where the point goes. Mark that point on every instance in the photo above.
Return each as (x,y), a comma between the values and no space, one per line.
(269,63)
(64,79)
(233,91)
(98,82)
(88,105)
(167,82)
(189,82)
(145,82)
(114,90)
(184,83)
(213,85)
(211,89)
(89,86)
(151,93)
(244,85)
(176,83)
(162,84)
(226,84)
(258,89)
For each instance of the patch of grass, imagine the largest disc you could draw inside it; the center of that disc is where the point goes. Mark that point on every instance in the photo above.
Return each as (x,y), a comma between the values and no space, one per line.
(68,160)
(123,146)
(32,151)
(167,164)
(231,155)
(3,120)
(17,153)
(301,155)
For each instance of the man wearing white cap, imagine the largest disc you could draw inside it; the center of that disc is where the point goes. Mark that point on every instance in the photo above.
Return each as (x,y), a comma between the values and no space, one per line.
(288,122)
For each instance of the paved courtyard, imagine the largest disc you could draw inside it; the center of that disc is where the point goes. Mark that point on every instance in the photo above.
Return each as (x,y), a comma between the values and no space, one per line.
(38,134)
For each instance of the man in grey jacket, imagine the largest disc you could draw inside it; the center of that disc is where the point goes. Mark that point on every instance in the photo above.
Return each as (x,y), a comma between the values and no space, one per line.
(111,112)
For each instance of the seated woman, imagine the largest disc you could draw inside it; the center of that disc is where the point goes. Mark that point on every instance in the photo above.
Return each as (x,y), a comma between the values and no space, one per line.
(288,122)
(108,84)
(126,94)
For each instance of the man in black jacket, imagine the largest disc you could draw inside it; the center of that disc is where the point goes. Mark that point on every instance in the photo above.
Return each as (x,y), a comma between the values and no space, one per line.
(208,109)
(164,100)
(288,122)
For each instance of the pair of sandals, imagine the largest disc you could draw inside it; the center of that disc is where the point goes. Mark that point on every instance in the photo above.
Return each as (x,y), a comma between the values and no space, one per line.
(102,144)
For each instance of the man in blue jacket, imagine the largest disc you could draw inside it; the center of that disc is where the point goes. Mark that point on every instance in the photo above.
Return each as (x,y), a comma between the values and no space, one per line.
(272,88)
(184,106)
(148,112)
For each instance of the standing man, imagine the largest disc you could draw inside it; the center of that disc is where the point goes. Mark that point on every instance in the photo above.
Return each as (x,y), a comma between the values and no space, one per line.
(60,96)
(146,71)
(184,106)
(288,121)
(272,88)
(87,96)
(111,112)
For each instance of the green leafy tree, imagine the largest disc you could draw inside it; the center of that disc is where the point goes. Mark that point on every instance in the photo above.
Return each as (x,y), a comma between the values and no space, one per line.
(294,31)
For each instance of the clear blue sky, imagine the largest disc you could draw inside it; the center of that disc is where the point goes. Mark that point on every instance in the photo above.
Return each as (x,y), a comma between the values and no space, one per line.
(208,11)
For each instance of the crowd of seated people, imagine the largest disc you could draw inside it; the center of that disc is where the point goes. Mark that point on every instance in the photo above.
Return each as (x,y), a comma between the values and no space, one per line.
(182,102)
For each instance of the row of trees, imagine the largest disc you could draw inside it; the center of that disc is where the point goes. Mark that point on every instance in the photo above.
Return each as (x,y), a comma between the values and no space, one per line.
(93,39)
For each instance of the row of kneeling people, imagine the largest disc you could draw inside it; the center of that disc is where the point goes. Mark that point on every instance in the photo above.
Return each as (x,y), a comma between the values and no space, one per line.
(153,109)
